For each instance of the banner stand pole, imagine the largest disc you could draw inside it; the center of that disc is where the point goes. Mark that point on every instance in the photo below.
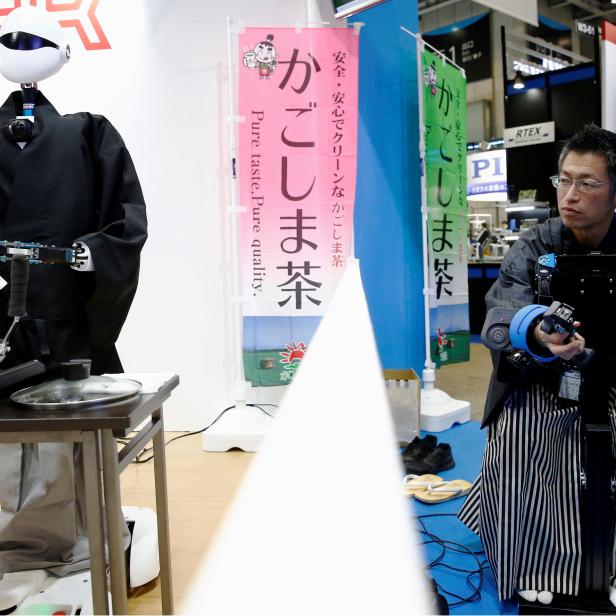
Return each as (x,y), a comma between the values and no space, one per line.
(243,425)
(438,410)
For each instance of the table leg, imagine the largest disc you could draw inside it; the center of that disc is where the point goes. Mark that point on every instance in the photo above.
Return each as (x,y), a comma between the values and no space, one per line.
(96,537)
(162,516)
(114,516)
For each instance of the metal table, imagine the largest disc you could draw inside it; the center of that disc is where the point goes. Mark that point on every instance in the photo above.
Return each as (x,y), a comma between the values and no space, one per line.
(97,428)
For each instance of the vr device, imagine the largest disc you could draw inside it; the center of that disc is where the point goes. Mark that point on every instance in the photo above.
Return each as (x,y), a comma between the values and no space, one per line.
(587,282)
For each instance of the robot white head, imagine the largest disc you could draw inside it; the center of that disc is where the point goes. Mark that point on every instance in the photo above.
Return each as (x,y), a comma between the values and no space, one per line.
(32,46)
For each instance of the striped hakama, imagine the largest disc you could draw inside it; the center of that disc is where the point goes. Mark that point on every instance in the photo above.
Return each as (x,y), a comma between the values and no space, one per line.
(525,505)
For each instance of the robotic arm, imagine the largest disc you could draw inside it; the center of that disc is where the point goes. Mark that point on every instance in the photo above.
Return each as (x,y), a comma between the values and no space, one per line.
(22,255)
(78,256)
(83,261)
(20,269)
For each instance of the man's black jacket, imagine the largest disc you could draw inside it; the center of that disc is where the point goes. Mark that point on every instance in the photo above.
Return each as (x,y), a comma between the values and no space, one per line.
(516,288)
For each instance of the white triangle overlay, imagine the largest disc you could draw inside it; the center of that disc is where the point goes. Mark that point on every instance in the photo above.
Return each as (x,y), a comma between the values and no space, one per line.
(320,524)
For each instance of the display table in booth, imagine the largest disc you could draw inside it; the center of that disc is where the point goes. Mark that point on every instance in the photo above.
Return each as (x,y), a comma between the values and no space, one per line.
(98,429)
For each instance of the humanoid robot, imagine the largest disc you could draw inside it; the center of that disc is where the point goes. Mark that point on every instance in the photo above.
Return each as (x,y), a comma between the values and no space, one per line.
(64,181)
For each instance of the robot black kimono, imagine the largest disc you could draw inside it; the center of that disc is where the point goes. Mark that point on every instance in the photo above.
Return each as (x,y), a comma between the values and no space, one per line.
(72,181)
(525,505)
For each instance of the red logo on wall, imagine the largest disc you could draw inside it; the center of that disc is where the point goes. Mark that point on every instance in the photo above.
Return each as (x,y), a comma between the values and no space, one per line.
(78,14)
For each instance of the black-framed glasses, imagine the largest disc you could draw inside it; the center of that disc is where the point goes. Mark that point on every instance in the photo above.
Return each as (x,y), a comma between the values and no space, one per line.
(24,41)
(587,186)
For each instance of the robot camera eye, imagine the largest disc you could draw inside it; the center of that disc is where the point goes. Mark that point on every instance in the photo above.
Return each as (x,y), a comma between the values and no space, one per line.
(20,130)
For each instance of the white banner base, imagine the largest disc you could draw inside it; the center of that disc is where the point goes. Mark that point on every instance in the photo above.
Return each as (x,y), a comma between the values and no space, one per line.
(71,594)
(242,427)
(439,411)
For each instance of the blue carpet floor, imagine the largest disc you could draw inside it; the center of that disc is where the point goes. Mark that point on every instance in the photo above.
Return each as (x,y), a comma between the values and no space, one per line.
(467,443)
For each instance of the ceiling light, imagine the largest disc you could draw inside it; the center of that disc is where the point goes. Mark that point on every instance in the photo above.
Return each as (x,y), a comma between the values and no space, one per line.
(520,208)
(518,82)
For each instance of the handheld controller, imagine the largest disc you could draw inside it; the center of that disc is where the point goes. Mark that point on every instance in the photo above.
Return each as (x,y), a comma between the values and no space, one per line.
(558,318)
(506,329)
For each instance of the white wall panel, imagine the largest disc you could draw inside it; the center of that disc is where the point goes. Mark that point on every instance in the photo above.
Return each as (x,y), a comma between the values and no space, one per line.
(164,85)
(525,10)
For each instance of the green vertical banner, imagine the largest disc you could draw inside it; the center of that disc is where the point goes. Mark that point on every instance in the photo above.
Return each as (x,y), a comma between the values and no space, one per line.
(444,111)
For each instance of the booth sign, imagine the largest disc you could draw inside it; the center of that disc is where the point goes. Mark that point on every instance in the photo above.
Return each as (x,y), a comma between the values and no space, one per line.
(529,134)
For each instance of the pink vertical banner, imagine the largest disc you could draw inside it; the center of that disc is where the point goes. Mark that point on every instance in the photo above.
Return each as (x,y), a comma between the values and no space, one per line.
(296,169)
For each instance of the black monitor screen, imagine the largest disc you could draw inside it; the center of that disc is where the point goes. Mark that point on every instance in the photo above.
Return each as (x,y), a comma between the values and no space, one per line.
(527,218)
(484,238)
(573,105)
(528,107)
(346,8)
(585,282)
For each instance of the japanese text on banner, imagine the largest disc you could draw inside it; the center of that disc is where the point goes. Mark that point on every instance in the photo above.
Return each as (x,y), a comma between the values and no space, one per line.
(297,166)
(444,104)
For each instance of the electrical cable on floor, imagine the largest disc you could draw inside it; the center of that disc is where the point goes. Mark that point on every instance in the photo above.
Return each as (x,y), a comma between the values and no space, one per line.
(476,588)
(476,594)
(461,549)
(137,459)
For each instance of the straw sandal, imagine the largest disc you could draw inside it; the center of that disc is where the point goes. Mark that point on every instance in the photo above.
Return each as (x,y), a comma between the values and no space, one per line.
(413,484)
(448,490)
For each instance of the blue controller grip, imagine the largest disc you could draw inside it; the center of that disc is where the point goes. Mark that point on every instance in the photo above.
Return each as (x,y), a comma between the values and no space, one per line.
(523,319)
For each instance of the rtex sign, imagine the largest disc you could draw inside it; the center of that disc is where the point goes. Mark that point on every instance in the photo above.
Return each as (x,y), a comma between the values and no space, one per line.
(77,14)
(530,134)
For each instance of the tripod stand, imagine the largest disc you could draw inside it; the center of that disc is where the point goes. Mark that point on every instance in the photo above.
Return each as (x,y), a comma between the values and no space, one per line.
(597,524)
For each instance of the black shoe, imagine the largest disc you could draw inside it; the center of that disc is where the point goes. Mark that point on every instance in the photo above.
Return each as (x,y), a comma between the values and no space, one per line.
(439,459)
(419,448)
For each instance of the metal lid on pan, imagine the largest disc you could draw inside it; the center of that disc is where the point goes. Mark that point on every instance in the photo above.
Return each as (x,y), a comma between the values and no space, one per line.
(76,390)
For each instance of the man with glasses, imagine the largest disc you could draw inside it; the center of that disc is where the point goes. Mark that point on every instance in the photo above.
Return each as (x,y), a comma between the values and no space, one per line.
(525,504)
